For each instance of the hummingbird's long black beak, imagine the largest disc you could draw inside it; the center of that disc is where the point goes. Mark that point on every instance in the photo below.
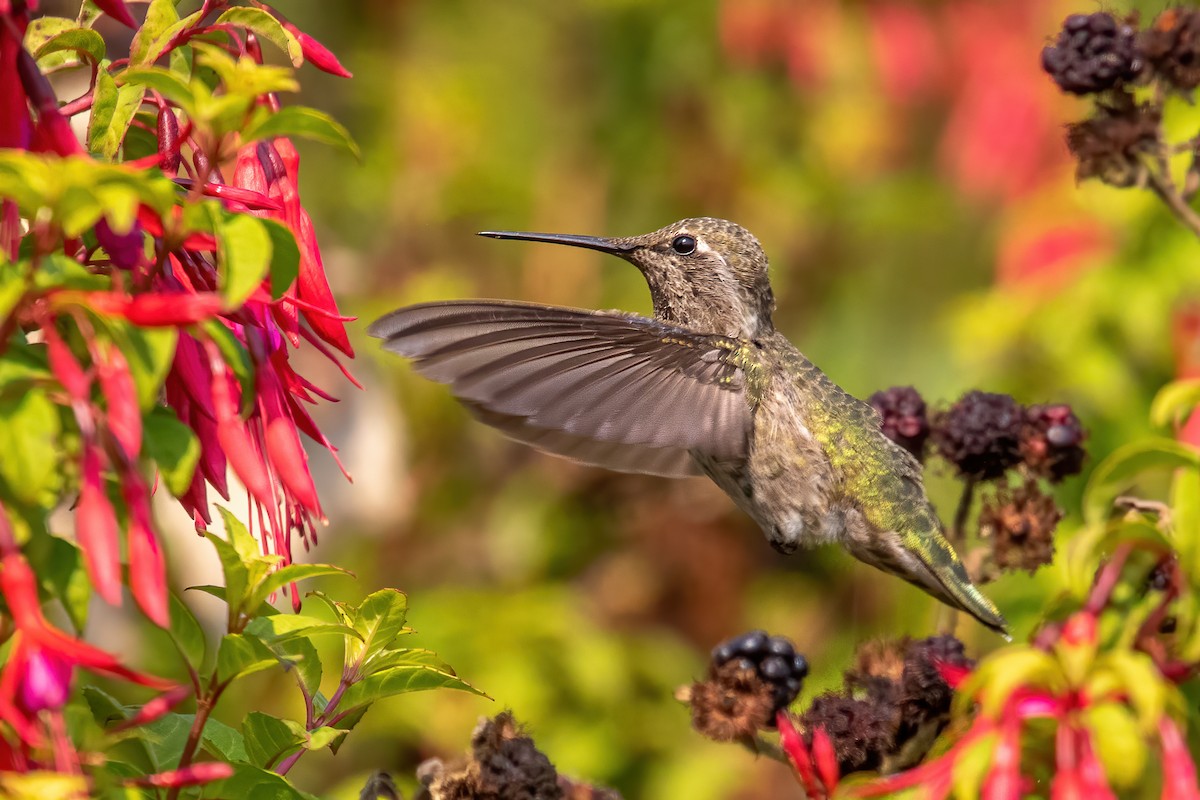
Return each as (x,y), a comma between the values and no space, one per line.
(604,245)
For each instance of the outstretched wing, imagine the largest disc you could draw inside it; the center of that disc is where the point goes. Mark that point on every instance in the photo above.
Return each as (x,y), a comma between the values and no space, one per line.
(615,390)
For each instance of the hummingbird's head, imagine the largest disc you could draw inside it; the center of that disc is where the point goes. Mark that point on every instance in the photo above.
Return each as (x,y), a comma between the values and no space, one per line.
(705,273)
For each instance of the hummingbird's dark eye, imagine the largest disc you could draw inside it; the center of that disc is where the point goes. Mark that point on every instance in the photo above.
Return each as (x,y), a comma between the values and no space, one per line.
(684,245)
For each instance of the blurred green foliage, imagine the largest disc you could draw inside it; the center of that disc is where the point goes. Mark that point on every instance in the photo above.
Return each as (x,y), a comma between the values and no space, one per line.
(579,598)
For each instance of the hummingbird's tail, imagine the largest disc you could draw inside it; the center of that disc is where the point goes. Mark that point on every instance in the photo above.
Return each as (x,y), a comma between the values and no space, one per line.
(928,561)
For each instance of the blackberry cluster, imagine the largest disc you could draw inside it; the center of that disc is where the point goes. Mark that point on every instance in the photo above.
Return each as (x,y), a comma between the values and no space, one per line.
(981,434)
(1093,53)
(903,417)
(1052,441)
(773,658)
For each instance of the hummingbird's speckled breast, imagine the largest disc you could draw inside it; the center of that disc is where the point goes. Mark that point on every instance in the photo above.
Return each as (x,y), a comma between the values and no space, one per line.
(788,482)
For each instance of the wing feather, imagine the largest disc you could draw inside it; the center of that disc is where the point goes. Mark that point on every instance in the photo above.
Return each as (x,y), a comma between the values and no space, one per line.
(616,390)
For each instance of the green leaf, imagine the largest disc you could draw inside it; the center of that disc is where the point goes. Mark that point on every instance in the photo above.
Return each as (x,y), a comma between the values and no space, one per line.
(971,767)
(1119,742)
(173,447)
(266,26)
(170,85)
(285,258)
(1142,680)
(254,782)
(1185,519)
(379,619)
(281,627)
(237,575)
(29,429)
(187,634)
(409,656)
(61,574)
(269,738)
(83,41)
(165,737)
(105,708)
(1174,402)
(239,656)
(104,105)
(304,122)
(241,539)
(1120,470)
(161,25)
(301,655)
(60,271)
(108,141)
(291,573)
(243,256)
(222,741)
(43,29)
(401,680)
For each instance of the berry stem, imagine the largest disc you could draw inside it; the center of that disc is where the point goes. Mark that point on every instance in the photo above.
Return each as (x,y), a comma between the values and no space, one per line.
(1162,185)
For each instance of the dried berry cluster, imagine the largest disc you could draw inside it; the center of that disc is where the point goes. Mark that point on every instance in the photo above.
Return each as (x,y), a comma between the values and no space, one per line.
(1020,521)
(1100,56)
(504,763)
(894,703)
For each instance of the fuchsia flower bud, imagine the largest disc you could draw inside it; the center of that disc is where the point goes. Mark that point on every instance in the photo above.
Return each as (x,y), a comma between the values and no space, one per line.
(147,569)
(192,775)
(96,530)
(124,416)
(318,54)
(118,11)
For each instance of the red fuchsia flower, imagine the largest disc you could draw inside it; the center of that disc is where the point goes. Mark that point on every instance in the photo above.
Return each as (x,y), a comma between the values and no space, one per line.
(38,671)
(118,11)
(150,309)
(798,753)
(1003,781)
(1178,766)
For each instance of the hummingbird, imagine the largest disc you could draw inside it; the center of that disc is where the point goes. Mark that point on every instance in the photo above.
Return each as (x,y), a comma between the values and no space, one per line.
(706,387)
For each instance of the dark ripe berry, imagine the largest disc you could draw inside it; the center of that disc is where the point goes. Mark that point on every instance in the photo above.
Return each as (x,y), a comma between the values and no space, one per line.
(1052,441)
(775,669)
(903,418)
(745,664)
(1171,46)
(980,434)
(1093,53)
(779,646)
(752,644)
(800,666)
(722,653)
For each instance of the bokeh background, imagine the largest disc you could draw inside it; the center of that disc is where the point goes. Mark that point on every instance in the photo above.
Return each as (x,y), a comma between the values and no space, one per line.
(902,163)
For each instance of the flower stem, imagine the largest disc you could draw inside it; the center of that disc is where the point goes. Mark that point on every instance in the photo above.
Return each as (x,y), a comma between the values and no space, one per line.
(204,707)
